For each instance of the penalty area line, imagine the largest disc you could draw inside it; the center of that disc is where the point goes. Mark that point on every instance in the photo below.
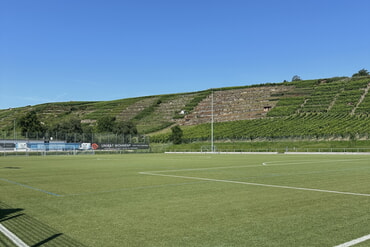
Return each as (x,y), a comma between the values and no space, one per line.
(354,242)
(257,184)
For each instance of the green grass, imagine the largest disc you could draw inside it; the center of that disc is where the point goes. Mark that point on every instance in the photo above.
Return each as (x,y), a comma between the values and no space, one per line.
(268,146)
(191,200)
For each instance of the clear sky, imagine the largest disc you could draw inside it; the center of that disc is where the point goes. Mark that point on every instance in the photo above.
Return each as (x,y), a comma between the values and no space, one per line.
(89,50)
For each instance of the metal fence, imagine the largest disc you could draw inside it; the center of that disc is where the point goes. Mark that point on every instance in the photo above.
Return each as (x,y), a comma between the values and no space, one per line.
(9,136)
(241,149)
(16,143)
(276,150)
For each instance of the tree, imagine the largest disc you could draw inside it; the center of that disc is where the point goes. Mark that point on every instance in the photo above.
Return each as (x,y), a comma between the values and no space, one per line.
(30,124)
(72,125)
(110,124)
(106,124)
(125,128)
(176,135)
(296,78)
(362,72)
(69,130)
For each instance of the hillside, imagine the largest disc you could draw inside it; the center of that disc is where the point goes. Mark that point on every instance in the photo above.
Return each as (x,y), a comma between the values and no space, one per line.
(325,107)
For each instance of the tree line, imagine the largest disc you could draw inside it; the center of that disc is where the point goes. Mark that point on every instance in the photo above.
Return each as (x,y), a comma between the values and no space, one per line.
(30,124)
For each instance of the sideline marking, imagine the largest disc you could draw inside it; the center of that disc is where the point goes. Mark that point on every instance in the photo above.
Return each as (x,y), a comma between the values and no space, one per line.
(17,241)
(257,184)
(355,241)
(29,187)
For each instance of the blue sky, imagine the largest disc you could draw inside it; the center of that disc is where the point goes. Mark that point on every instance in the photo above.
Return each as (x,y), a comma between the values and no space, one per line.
(90,50)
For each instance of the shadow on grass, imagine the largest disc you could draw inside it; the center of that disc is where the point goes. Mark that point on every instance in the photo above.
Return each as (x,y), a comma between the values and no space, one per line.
(8,213)
(31,231)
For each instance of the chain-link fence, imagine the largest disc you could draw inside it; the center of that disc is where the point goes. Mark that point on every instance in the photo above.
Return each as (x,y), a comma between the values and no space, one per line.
(74,137)
(70,142)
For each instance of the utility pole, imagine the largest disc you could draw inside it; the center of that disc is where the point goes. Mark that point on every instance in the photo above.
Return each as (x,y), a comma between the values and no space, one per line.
(14,130)
(212,120)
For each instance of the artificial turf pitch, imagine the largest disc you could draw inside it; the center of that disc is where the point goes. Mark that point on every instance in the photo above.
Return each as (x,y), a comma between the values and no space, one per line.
(186,199)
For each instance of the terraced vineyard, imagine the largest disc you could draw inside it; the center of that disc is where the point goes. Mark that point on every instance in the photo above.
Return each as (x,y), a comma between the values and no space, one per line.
(311,125)
(329,108)
(336,95)
(326,108)
(163,112)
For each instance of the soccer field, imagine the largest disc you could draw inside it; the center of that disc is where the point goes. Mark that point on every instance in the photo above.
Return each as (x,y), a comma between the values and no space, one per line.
(186,200)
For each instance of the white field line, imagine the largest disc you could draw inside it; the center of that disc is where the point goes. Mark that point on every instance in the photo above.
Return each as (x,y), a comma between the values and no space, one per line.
(224,167)
(29,187)
(180,184)
(270,163)
(329,153)
(298,162)
(206,168)
(248,183)
(354,242)
(17,241)
(221,152)
(158,173)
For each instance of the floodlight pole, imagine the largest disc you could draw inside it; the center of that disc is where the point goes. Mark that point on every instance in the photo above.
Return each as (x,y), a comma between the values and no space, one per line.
(212,120)
(14,130)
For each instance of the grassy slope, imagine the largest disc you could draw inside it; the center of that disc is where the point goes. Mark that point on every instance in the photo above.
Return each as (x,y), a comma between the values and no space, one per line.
(326,108)
(316,108)
(150,113)
(107,202)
